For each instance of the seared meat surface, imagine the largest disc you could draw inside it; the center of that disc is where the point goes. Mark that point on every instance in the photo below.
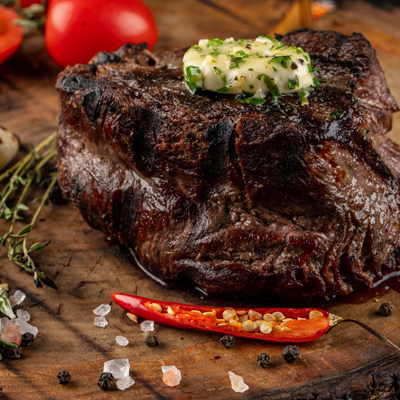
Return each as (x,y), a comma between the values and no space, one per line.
(281,200)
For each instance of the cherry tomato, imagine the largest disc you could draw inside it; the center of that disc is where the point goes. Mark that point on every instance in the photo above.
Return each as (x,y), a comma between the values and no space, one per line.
(76,30)
(10,34)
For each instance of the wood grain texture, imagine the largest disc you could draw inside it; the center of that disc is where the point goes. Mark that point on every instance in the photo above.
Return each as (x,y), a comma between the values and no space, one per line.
(87,268)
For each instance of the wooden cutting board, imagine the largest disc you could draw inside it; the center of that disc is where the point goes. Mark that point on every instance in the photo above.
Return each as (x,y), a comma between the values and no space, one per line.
(88,268)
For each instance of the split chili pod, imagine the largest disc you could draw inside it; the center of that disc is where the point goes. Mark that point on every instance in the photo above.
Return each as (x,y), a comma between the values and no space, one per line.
(283,325)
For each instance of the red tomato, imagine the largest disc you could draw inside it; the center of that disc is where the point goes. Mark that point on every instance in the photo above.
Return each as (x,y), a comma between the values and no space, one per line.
(10,34)
(76,30)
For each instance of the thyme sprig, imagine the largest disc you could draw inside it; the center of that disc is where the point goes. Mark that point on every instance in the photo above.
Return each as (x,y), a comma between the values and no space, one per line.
(20,178)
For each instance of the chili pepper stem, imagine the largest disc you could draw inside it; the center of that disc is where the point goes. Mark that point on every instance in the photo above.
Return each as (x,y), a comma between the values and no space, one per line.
(374,332)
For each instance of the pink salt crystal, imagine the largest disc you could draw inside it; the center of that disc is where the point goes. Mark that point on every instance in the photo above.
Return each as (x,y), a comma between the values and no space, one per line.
(172,376)
(13,333)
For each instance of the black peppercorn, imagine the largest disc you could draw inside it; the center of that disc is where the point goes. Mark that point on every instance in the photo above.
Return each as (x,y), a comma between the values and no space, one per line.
(63,377)
(228,341)
(27,339)
(12,352)
(151,339)
(106,380)
(386,309)
(263,360)
(290,354)
(55,195)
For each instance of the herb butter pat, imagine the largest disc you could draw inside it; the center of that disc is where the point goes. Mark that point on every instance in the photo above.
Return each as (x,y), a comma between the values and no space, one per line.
(251,67)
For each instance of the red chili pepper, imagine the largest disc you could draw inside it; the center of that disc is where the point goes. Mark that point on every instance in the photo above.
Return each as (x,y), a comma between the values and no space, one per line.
(293,326)
(286,325)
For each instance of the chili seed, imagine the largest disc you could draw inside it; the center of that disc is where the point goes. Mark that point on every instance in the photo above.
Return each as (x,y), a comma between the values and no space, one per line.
(242,312)
(301,319)
(269,318)
(254,314)
(228,314)
(106,380)
(209,314)
(157,307)
(278,316)
(63,377)
(243,318)
(197,312)
(285,329)
(277,328)
(315,314)
(263,360)
(249,326)
(170,311)
(223,324)
(386,309)
(290,354)
(265,328)
(228,341)
(259,322)
(132,317)
(286,320)
(151,339)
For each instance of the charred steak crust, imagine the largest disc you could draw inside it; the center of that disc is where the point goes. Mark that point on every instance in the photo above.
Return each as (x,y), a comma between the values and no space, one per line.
(280,199)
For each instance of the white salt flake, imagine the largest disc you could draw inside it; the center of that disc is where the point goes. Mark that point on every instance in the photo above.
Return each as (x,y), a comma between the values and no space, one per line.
(102,310)
(17,298)
(237,383)
(119,368)
(125,383)
(172,376)
(26,327)
(100,321)
(147,326)
(122,341)
(22,314)
(3,323)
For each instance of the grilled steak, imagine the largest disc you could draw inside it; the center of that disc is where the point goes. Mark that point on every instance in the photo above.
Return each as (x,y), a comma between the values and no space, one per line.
(280,199)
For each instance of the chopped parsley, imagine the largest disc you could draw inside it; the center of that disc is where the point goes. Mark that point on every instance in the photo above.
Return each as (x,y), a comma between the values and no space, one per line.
(255,101)
(251,86)
(316,82)
(293,83)
(224,89)
(235,61)
(271,85)
(215,42)
(243,54)
(282,60)
(215,52)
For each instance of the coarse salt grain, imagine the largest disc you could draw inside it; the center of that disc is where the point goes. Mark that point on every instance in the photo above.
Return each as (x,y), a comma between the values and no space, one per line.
(237,383)
(102,310)
(17,298)
(147,326)
(100,321)
(119,368)
(172,376)
(122,340)
(125,383)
